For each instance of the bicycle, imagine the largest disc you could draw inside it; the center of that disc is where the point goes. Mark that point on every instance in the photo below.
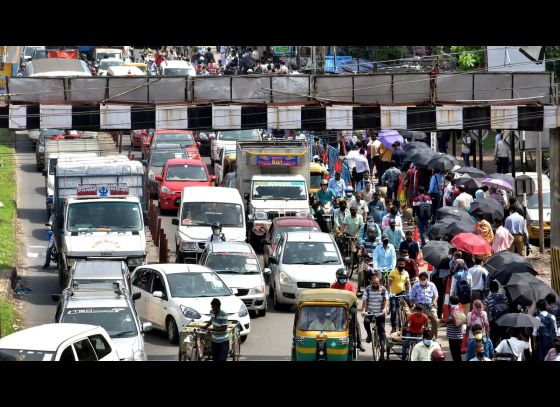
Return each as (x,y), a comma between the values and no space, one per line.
(196,342)
(376,348)
(350,254)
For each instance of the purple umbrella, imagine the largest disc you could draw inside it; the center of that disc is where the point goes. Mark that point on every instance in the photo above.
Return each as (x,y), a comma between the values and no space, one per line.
(389,137)
(496,183)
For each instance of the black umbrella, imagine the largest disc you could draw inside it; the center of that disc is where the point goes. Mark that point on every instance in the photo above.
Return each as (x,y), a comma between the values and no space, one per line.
(442,161)
(505,257)
(460,227)
(435,252)
(439,229)
(504,272)
(504,177)
(413,135)
(421,158)
(416,145)
(453,212)
(472,171)
(525,289)
(519,320)
(471,184)
(489,207)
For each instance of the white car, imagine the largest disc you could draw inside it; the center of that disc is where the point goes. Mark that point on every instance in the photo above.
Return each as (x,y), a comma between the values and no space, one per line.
(237,264)
(59,342)
(106,63)
(533,206)
(302,260)
(173,295)
(228,139)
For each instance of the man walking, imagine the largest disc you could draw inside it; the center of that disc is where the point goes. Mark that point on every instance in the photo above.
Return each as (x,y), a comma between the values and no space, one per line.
(375,302)
(515,224)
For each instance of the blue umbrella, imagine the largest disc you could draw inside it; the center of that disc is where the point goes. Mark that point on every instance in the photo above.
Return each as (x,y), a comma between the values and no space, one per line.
(389,137)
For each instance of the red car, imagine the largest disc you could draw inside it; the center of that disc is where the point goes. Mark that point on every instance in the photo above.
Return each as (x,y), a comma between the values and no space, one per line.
(178,174)
(183,137)
(285,224)
(136,137)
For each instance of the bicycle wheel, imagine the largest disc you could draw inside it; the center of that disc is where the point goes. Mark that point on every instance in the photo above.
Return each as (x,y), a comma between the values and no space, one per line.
(375,348)
(235,348)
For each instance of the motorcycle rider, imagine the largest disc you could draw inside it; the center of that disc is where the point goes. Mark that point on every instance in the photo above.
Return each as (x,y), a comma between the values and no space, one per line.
(339,214)
(348,195)
(50,245)
(325,194)
(217,235)
(337,184)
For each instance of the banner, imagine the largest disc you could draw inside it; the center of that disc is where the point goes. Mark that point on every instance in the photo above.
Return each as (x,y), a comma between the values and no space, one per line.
(276,161)
(285,50)
(102,191)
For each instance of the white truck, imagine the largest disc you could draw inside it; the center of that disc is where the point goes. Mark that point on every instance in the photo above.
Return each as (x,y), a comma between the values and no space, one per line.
(100,211)
(273,178)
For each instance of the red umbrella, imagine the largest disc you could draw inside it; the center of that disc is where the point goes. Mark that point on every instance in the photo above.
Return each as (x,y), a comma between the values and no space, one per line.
(471,243)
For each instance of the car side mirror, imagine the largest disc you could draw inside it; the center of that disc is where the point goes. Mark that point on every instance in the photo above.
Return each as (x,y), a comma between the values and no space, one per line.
(267,271)
(159,178)
(213,178)
(273,260)
(136,296)
(147,326)
(55,297)
(157,294)
(234,291)
(265,241)
(175,221)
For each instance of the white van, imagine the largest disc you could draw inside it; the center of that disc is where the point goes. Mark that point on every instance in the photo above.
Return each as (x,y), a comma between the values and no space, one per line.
(177,68)
(125,71)
(200,208)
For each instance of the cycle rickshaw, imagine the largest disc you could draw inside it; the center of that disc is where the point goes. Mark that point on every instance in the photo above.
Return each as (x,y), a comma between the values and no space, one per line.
(195,342)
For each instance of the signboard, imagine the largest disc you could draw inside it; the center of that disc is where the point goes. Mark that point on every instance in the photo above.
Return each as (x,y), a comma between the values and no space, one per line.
(284,50)
(102,191)
(433,140)
(5,72)
(276,161)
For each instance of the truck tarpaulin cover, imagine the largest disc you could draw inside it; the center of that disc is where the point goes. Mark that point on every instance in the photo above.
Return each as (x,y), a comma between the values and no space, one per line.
(276,161)
(71,54)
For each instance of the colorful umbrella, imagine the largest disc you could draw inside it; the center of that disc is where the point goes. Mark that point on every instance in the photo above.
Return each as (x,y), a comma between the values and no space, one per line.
(471,243)
(390,137)
(504,177)
(497,183)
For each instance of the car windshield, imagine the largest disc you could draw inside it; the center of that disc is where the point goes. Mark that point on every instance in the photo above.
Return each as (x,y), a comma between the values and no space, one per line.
(118,322)
(124,216)
(310,253)
(533,202)
(29,51)
(233,263)
(263,190)
(316,180)
(105,65)
(184,139)
(285,229)
(186,172)
(192,285)
(206,213)
(24,355)
(235,135)
(318,318)
(159,158)
(176,72)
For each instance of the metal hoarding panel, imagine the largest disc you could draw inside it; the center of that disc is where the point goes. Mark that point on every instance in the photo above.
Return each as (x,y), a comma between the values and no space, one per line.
(340,118)
(252,89)
(226,117)
(168,89)
(284,117)
(129,89)
(454,86)
(375,88)
(489,86)
(503,117)
(393,117)
(35,90)
(87,89)
(56,116)
(217,88)
(449,117)
(337,88)
(114,116)
(411,88)
(172,117)
(290,88)
(531,85)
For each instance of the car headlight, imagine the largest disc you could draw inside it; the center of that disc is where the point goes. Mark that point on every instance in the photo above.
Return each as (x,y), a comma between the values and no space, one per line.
(190,312)
(151,175)
(135,261)
(188,246)
(534,223)
(41,148)
(243,311)
(166,190)
(259,215)
(284,279)
(256,290)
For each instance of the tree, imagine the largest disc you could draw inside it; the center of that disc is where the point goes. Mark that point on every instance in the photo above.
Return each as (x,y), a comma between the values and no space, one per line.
(469,58)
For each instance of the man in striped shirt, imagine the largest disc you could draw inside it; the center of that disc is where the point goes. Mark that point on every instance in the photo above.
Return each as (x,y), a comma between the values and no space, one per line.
(425,293)
(375,301)
(220,340)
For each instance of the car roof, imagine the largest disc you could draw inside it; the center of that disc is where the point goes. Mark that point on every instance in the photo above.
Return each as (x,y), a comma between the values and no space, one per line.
(173,131)
(98,269)
(126,70)
(47,337)
(212,194)
(190,161)
(309,237)
(176,64)
(279,177)
(231,247)
(96,299)
(294,221)
(170,268)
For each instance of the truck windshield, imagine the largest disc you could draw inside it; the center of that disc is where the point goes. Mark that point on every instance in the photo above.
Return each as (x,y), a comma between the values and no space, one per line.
(235,135)
(175,72)
(118,322)
(279,190)
(206,213)
(124,216)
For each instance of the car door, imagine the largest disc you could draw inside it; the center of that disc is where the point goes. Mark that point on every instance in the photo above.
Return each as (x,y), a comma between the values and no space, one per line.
(219,167)
(102,347)
(141,284)
(84,350)
(158,306)
(275,267)
(67,354)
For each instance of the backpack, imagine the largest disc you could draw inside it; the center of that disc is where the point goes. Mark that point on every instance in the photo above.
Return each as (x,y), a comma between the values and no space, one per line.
(500,307)
(464,289)
(547,333)
(506,356)
(424,209)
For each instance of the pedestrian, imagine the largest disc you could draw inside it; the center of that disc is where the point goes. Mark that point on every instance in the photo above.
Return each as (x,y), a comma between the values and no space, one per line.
(553,354)
(410,266)
(422,351)
(496,305)
(398,154)
(399,285)
(448,196)
(461,282)
(513,205)
(410,246)
(391,179)
(376,208)
(317,148)
(395,234)
(477,316)
(367,194)
(360,205)
(455,325)
(484,228)
(369,237)
(502,156)
(503,239)
(425,293)
(361,185)
(220,340)
(361,166)
(417,322)
(479,354)
(466,149)
(436,191)
(50,244)
(478,337)
(546,334)
(375,155)
(516,346)
(552,307)
(337,184)
(479,276)
(497,196)
(422,210)
(517,226)
(375,301)
(392,215)
(464,200)
(384,256)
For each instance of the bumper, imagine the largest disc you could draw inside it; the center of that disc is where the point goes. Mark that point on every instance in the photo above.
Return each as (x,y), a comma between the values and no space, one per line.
(254,302)
(167,201)
(534,232)
(287,294)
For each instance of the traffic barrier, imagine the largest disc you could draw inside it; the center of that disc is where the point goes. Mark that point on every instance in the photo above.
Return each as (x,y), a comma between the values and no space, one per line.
(416,235)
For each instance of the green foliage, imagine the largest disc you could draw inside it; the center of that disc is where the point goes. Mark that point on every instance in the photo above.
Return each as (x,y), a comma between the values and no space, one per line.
(8,198)
(469,58)
(8,317)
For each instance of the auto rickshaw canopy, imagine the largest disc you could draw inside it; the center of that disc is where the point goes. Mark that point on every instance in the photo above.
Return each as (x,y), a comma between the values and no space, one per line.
(327,294)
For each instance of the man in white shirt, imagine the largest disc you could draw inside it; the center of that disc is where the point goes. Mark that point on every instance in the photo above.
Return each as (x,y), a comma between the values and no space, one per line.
(360,205)
(502,154)
(422,351)
(513,345)
(479,275)
(464,200)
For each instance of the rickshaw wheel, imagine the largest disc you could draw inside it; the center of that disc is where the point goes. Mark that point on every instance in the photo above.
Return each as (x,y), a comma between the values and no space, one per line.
(236,350)
(193,355)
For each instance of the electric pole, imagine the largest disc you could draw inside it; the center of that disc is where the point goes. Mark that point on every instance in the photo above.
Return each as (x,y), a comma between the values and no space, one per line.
(540,192)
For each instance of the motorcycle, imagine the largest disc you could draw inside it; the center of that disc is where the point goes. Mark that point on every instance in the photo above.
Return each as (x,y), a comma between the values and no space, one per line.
(50,238)
(326,218)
